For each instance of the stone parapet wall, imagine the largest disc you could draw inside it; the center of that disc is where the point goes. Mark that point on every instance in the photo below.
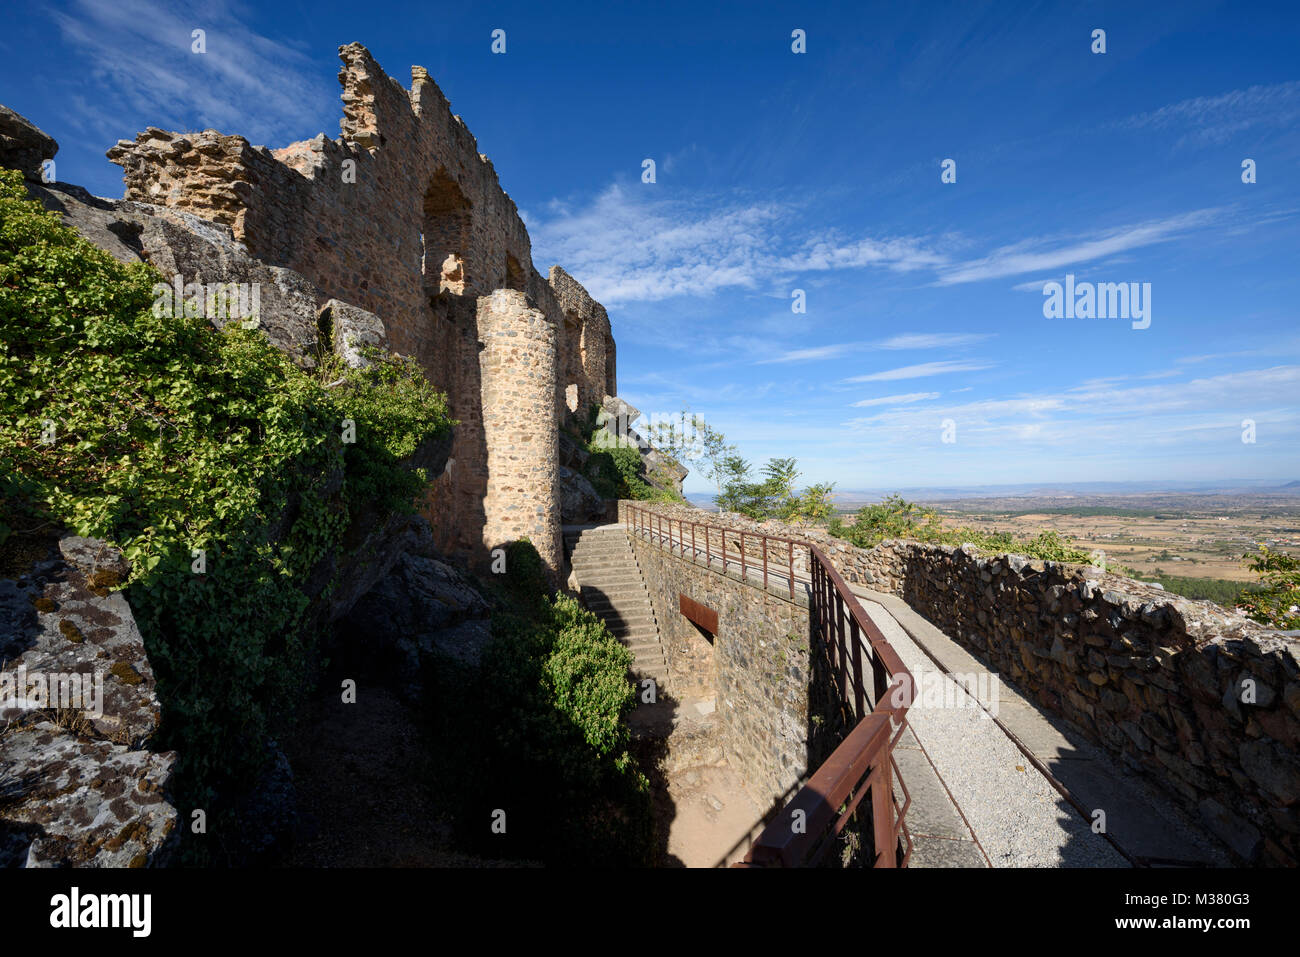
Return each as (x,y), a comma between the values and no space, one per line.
(1202,701)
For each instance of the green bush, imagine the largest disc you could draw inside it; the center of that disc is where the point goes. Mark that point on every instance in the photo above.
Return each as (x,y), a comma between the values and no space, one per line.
(897,518)
(164,436)
(617,471)
(539,731)
(1274,600)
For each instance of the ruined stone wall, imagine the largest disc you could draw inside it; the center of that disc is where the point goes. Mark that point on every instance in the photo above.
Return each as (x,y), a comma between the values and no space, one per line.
(589,347)
(1157,679)
(404,217)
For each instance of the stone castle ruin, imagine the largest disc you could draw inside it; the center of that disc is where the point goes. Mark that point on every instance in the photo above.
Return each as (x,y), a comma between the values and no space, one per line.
(405,218)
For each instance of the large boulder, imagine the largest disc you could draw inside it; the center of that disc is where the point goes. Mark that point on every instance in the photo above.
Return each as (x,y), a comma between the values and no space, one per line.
(70,623)
(24,145)
(423,608)
(78,785)
(78,802)
(580,503)
(661,471)
(350,328)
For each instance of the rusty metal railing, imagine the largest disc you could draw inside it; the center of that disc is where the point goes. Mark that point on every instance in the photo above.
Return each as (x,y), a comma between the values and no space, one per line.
(774,557)
(862,767)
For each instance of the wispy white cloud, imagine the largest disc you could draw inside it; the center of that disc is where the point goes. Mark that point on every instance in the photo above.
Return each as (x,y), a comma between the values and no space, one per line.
(905,399)
(936,340)
(902,255)
(1100,410)
(933,340)
(833,351)
(139,53)
(921,370)
(632,244)
(1050,253)
(1213,120)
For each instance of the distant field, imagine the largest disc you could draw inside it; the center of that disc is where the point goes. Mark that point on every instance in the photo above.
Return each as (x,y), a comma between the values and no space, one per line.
(1190,543)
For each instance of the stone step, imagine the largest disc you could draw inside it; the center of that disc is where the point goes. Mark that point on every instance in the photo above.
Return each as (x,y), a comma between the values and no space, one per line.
(613,587)
(633,624)
(623,613)
(611,591)
(633,631)
(603,557)
(618,600)
(646,653)
(607,572)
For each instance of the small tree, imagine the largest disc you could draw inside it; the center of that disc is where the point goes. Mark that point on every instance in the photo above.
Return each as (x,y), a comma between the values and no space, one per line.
(692,441)
(734,483)
(815,505)
(778,499)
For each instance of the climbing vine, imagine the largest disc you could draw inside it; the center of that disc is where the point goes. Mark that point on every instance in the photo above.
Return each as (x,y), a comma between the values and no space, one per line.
(223,472)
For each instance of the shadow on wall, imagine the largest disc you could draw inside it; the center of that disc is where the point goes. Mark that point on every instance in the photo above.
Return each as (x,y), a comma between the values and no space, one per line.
(456,502)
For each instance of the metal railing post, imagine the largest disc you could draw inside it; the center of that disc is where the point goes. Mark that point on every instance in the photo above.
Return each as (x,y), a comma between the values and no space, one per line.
(882,813)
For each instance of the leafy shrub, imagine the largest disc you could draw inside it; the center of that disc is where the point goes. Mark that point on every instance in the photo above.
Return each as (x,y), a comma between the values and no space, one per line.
(618,471)
(166,436)
(1276,603)
(897,518)
(539,730)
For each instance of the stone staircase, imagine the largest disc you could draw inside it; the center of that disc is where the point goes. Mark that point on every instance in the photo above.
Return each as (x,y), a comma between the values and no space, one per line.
(610,584)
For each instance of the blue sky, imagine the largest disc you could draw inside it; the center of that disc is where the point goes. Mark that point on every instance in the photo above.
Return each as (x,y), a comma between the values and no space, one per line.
(820,171)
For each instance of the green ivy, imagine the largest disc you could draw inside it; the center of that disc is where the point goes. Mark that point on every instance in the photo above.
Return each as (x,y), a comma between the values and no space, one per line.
(164,436)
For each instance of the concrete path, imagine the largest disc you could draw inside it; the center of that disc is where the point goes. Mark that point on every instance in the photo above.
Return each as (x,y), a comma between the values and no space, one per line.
(1029,784)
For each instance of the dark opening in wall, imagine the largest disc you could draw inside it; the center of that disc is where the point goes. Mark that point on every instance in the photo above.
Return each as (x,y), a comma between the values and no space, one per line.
(445,235)
(514,273)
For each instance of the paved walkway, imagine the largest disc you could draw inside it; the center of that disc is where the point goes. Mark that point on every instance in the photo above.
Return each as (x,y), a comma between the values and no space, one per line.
(1028,784)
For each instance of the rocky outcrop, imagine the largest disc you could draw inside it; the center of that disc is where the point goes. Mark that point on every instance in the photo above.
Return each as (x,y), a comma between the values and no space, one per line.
(350,329)
(580,503)
(422,609)
(78,785)
(23,145)
(661,471)
(199,260)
